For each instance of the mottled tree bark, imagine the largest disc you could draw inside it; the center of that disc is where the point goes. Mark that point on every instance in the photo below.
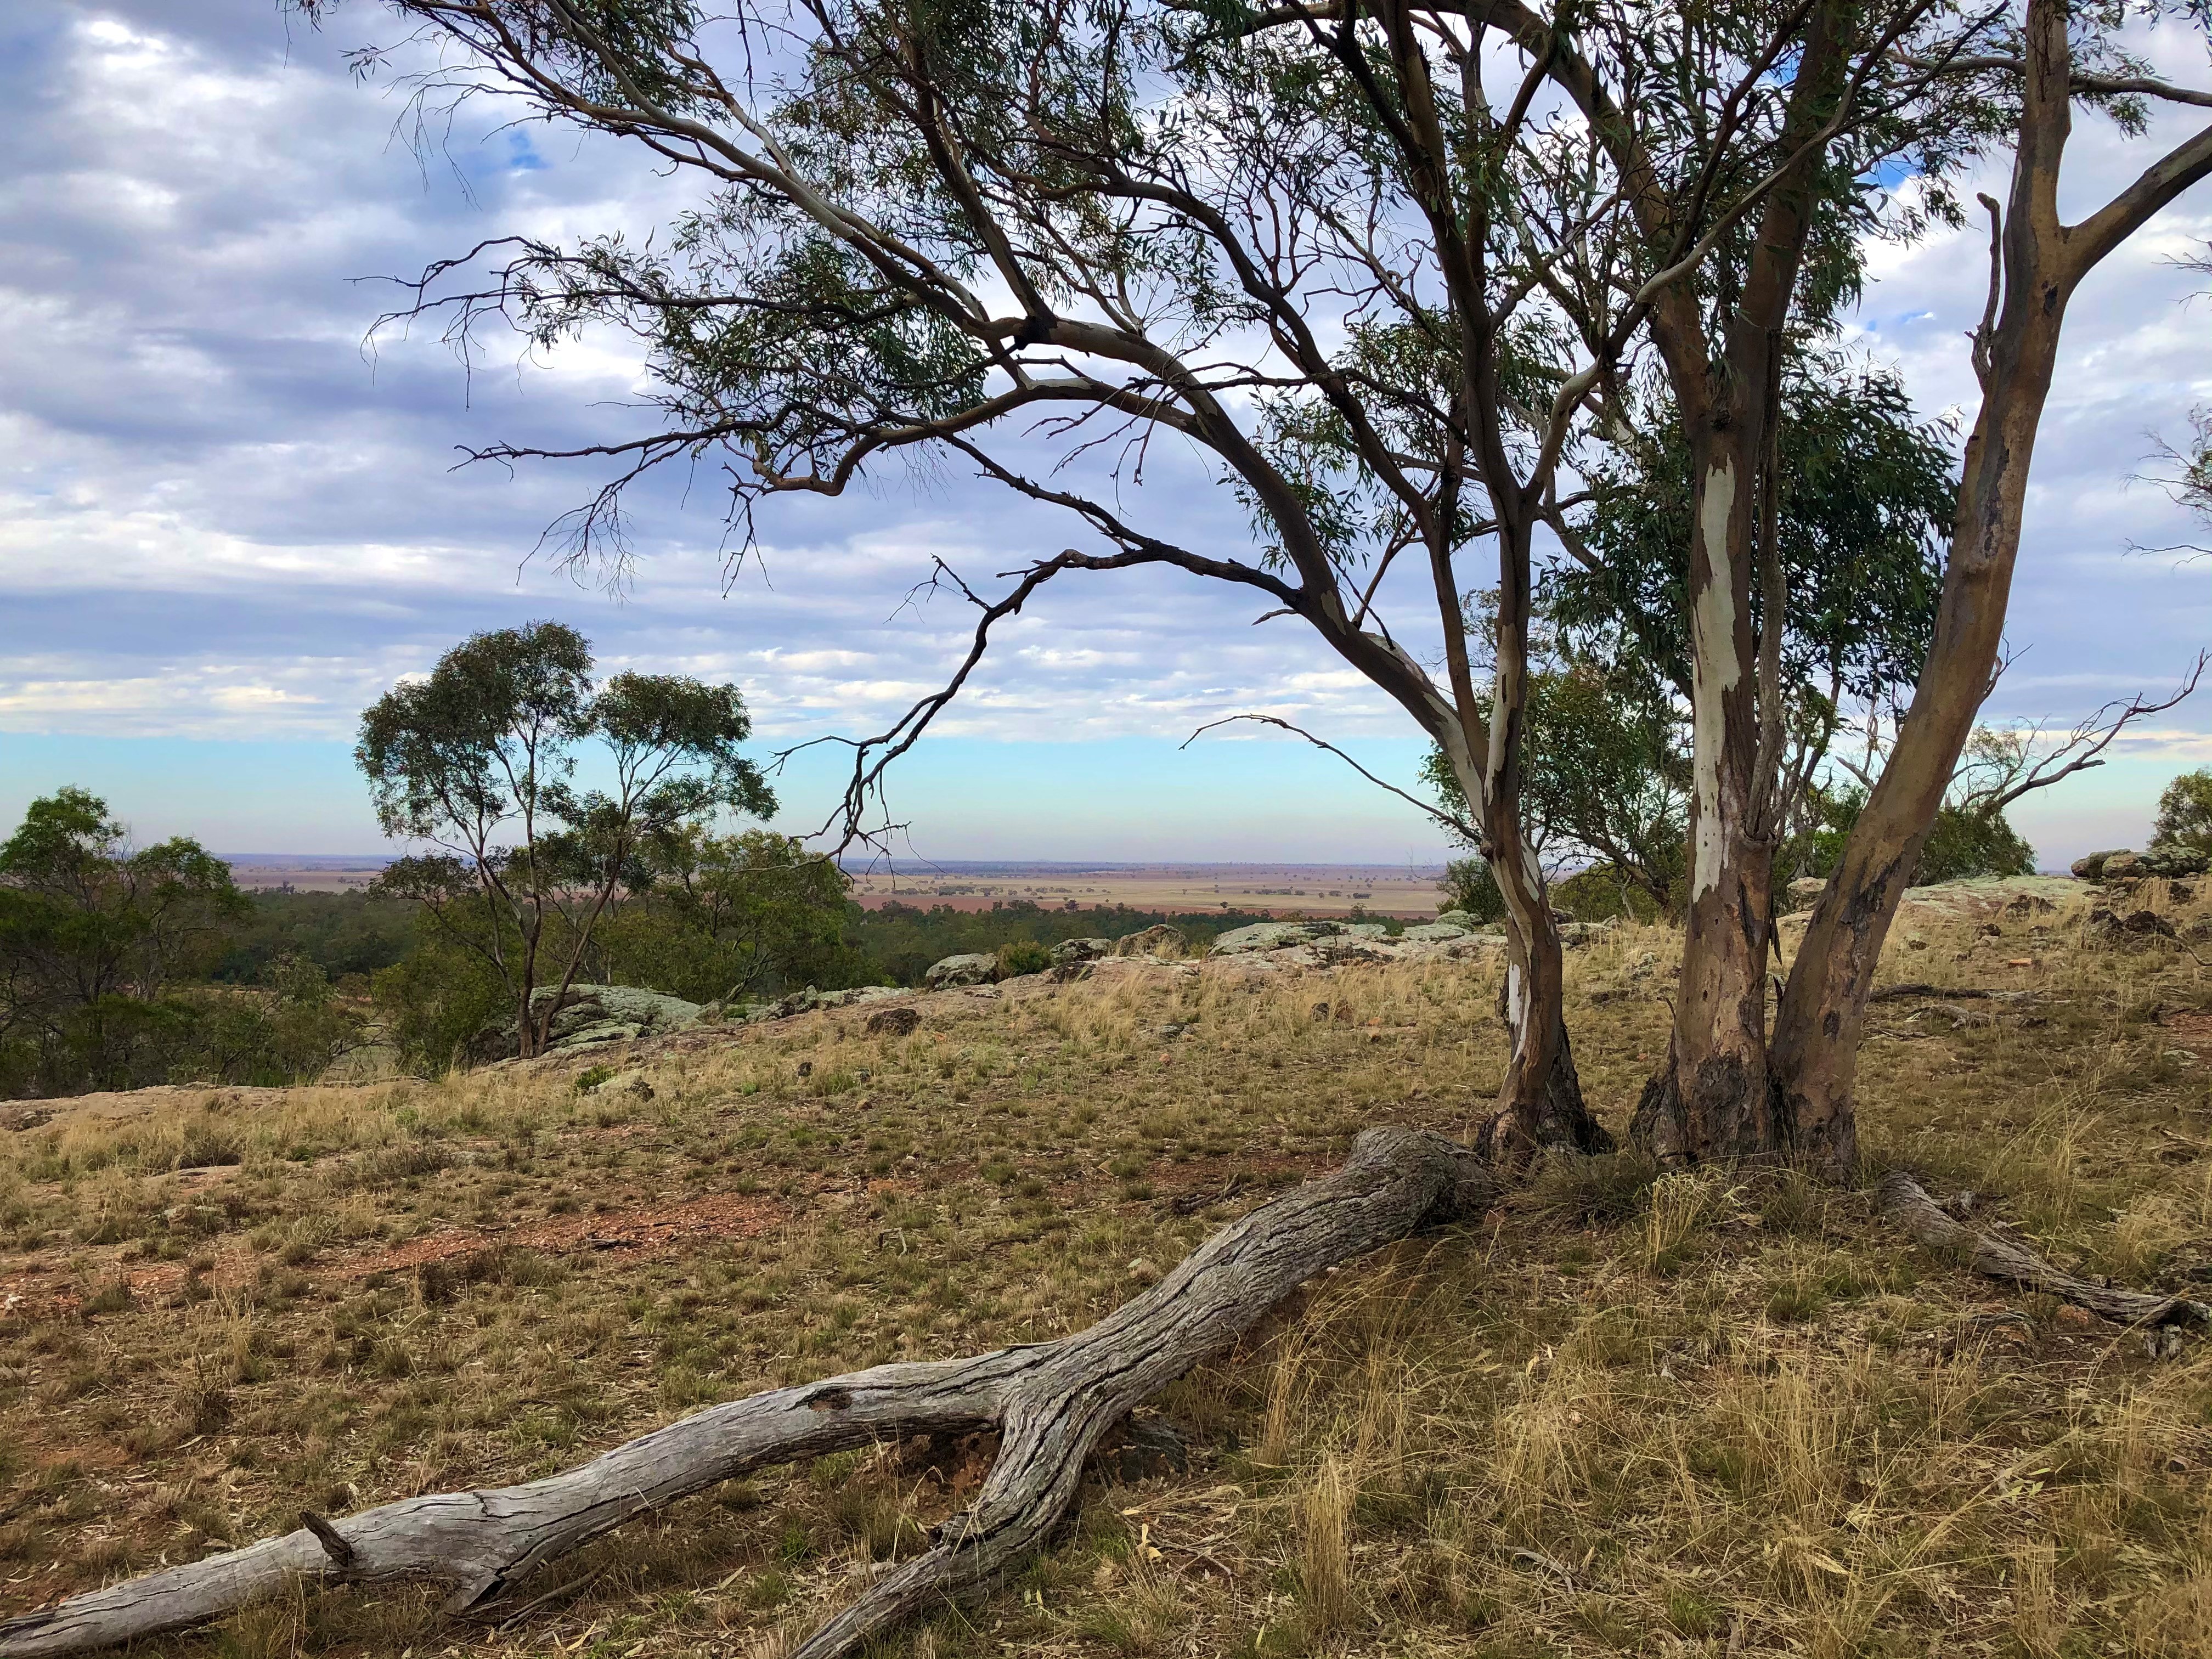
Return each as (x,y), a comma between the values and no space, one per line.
(2040,260)
(1711,1099)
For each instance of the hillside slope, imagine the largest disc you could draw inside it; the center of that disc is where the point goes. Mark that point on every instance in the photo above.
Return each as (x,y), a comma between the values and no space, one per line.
(1714,1415)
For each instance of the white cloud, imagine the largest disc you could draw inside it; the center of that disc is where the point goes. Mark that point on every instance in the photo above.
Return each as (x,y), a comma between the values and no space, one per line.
(220,515)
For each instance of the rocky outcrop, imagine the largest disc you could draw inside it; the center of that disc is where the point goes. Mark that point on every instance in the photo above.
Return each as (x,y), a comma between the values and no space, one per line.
(806,1001)
(1069,951)
(1270,936)
(592,1014)
(2169,859)
(972,968)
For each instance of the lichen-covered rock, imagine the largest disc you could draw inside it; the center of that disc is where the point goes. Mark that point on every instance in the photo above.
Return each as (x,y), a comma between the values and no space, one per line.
(1158,939)
(806,1001)
(591,1014)
(1440,931)
(1807,889)
(1273,936)
(2171,858)
(972,968)
(1069,950)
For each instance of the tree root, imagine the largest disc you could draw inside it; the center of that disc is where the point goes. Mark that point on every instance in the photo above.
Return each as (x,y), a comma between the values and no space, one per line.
(1050,1402)
(1905,1202)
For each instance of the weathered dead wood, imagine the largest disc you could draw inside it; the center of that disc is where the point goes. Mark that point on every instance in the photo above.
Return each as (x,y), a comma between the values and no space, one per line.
(1907,1203)
(1050,1403)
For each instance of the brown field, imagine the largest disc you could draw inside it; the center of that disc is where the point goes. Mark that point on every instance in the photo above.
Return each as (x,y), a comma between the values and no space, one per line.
(1715,1413)
(276,873)
(1315,890)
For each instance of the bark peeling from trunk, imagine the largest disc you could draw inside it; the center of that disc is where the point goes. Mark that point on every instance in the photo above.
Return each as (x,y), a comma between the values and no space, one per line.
(1051,1403)
(1714,674)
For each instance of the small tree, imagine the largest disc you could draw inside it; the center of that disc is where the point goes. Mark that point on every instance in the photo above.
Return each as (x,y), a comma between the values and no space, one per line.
(1606,774)
(2185,810)
(477,759)
(721,917)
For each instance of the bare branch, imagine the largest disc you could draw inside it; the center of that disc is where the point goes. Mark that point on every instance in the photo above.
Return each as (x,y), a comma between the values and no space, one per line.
(1458,826)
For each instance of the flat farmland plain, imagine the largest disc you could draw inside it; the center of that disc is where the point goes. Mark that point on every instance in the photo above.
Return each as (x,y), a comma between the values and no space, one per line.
(1318,890)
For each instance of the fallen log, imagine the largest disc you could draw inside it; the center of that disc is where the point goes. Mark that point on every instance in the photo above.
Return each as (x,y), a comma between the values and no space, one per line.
(1905,1202)
(1050,1404)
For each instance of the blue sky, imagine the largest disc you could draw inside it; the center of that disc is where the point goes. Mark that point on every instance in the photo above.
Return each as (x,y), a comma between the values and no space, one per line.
(229,523)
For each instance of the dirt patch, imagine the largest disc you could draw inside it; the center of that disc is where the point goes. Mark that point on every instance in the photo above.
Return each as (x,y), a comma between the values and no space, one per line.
(2190,1029)
(712,1215)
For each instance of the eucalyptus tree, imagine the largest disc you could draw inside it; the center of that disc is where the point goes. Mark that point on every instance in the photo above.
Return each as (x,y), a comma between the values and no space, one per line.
(1032,242)
(477,759)
(2058,58)
(1749,141)
(1692,110)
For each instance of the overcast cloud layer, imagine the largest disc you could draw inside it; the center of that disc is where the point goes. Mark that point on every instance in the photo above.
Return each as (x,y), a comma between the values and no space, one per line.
(228,519)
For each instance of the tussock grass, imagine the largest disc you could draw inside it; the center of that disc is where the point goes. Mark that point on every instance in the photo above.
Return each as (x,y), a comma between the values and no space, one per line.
(1705,1412)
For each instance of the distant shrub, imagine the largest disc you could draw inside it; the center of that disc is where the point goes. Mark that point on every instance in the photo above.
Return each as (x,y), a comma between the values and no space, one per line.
(1601,893)
(2185,810)
(1468,885)
(1964,841)
(1023,956)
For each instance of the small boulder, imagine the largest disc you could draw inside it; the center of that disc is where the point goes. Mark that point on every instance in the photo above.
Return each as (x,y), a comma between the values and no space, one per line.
(973,968)
(590,1014)
(901,1021)
(631,1083)
(2133,925)
(1807,889)
(2123,867)
(2091,865)
(1069,950)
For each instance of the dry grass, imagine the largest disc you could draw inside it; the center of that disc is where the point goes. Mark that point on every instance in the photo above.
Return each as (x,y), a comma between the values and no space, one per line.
(1705,1415)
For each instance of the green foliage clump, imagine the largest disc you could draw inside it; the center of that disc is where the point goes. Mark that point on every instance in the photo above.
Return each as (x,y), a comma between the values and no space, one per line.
(1023,956)
(2185,810)
(103,951)
(716,918)
(1605,776)
(1469,885)
(1966,840)
(344,934)
(433,1002)
(1868,499)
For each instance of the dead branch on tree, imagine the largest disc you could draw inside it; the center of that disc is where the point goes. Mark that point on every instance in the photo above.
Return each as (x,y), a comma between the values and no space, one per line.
(2012,767)
(1050,1404)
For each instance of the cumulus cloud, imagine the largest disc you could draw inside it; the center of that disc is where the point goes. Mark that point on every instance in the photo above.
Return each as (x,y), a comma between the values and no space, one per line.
(224,512)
